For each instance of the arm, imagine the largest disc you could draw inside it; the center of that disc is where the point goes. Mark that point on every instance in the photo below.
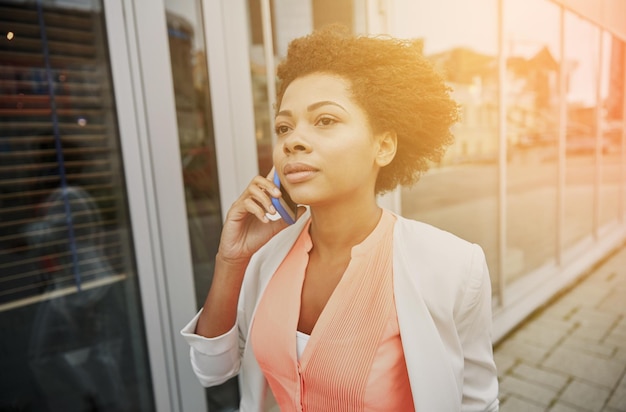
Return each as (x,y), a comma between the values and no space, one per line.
(480,379)
(213,333)
(214,360)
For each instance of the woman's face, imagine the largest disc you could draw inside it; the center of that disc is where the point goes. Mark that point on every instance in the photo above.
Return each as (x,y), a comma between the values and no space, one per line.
(326,151)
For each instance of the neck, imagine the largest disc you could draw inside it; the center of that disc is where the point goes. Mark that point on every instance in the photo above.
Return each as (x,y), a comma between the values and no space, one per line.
(335,230)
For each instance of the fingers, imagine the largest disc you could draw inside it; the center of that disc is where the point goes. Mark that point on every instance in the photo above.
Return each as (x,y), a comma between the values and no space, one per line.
(257,198)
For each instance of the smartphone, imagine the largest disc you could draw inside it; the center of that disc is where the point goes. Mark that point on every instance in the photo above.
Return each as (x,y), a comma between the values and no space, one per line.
(285,207)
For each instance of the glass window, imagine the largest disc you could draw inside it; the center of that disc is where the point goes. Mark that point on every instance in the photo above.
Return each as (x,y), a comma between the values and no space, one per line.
(581,43)
(70,311)
(612,124)
(197,148)
(461,193)
(532,47)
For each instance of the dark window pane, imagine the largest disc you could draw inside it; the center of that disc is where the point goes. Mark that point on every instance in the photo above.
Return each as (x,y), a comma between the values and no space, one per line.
(70,311)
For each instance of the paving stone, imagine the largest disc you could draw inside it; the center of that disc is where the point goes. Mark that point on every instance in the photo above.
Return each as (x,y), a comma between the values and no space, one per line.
(540,335)
(602,275)
(575,302)
(617,335)
(592,331)
(614,302)
(548,322)
(592,316)
(523,351)
(514,404)
(618,398)
(571,356)
(539,376)
(528,390)
(560,311)
(503,363)
(590,346)
(620,328)
(620,354)
(615,339)
(586,396)
(584,366)
(589,295)
(561,407)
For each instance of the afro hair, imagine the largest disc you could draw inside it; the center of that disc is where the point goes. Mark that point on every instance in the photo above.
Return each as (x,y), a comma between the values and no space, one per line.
(394,84)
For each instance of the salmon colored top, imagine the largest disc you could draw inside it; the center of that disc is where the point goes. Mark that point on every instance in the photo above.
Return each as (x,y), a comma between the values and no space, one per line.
(353,359)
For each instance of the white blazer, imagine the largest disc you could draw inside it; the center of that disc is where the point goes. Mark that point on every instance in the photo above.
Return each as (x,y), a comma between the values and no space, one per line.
(443,299)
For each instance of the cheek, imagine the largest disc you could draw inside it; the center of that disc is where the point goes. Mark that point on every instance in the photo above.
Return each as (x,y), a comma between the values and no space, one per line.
(277,153)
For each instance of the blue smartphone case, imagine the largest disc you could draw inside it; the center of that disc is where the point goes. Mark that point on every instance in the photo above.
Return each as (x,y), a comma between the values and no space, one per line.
(278,205)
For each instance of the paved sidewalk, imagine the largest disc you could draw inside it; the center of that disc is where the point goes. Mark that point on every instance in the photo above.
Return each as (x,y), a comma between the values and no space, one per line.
(571,356)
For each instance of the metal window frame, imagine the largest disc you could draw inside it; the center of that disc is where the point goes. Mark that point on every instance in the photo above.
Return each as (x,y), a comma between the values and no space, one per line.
(597,202)
(502,159)
(226,38)
(142,81)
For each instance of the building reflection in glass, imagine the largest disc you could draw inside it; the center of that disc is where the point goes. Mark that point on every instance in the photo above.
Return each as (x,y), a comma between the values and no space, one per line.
(581,45)
(461,194)
(532,134)
(612,124)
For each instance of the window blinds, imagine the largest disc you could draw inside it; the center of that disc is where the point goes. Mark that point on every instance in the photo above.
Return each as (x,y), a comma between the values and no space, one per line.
(60,182)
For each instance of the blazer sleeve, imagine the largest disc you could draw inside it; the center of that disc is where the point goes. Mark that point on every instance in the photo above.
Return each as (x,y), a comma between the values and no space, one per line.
(474,323)
(214,360)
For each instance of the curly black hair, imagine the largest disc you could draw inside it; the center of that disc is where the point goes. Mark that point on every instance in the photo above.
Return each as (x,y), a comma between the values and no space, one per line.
(394,84)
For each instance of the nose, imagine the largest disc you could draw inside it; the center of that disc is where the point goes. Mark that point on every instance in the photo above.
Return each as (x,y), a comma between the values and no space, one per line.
(295,142)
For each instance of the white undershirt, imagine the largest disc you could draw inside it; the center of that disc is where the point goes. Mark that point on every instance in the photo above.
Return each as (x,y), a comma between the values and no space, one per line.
(301,340)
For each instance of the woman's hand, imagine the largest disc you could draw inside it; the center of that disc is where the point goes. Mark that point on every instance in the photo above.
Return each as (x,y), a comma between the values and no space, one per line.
(247,227)
(245,230)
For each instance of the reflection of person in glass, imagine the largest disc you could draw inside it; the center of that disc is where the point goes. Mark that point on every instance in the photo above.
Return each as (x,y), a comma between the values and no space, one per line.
(352,307)
(76,347)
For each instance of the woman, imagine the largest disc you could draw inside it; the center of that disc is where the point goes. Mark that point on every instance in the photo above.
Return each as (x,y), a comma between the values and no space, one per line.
(352,307)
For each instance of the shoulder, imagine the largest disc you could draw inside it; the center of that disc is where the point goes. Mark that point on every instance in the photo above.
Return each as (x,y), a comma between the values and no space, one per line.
(430,242)
(446,268)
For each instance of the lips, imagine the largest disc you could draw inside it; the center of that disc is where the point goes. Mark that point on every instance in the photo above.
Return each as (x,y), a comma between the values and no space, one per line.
(298,172)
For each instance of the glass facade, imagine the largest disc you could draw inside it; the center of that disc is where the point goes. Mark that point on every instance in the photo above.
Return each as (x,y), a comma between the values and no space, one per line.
(70,311)
(536,169)
(612,76)
(532,134)
(582,64)
(460,194)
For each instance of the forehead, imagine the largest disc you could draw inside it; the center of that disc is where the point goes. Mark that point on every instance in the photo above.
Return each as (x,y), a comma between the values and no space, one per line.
(317,87)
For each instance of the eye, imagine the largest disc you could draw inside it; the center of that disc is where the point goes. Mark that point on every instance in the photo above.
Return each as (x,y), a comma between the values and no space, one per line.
(326,121)
(281,129)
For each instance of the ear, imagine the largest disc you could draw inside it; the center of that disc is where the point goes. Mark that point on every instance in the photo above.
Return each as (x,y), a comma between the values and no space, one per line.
(387,146)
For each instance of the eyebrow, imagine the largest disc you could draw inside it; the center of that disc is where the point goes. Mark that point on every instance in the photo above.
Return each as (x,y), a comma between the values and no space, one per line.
(312,107)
